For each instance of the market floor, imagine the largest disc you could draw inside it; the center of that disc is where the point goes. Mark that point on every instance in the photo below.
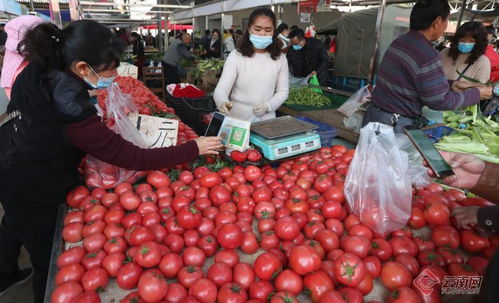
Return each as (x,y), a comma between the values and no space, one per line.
(21,293)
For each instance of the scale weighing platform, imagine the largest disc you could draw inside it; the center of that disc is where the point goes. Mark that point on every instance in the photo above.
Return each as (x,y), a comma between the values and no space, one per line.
(284,137)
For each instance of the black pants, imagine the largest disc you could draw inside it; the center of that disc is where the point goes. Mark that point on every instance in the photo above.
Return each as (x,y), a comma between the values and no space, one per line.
(31,227)
(170,73)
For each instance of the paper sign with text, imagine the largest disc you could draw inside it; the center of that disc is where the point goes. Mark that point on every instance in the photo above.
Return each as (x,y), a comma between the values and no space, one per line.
(158,132)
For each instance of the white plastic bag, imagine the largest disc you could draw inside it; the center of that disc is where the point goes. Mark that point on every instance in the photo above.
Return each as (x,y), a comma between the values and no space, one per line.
(355,101)
(297,81)
(102,174)
(378,186)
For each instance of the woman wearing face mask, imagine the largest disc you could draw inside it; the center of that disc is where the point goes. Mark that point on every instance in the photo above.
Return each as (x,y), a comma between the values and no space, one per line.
(215,48)
(466,54)
(283,32)
(51,125)
(254,81)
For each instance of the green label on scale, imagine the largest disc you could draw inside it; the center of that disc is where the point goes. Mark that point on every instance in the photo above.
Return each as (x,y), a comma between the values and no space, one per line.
(238,136)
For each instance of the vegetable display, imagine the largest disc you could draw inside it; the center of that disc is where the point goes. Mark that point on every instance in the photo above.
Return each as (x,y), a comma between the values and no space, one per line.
(250,234)
(306,96)
(205,65)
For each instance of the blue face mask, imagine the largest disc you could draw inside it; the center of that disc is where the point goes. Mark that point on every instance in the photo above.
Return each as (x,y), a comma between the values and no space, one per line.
(260,42)
(102,82)
(297,47)
(465,47)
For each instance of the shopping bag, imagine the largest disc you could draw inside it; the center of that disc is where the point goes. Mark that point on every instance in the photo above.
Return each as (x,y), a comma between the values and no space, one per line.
(315,81)
(297,81)
(104,175)
(378,186)
(355,101)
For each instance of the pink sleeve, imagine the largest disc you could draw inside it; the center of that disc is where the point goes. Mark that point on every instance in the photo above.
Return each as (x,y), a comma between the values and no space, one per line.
(21,67)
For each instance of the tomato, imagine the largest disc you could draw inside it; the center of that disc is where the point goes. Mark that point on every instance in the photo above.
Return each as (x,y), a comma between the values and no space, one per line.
(250,243)
(267,265)
(69,273)
(75,196)
(304,259)
(366,285)
(473,242)
(332,296)
(445,235)
(335,225)
(189,217)
(351,295)
(423,244)
(356,245)
(188,275)
(410,262)
(269,240)
(254,155)
(130,200)
(289,281)
(147,207)
(231,292)
(262,194)
(204,290)
(373,266)
(138,235)
(219,273)
(260,290)
(66,292)
(334,194)
(437,213)
(328,239)
(404,294)
(431,257)
(131,219)
(244,275)
(158,179)
(93,259)
(395,275)
(318,283)
(74,217)
(72,232)
(176,293)
(152,286)
(70,256)
(208,244)
(109,199)
(94,278)
(230,236)
(461,270)
(252,173)
(238,156)
(186,176)
(403,245)
(87,297)
(128,276)
(174,242)
(417,219)
(323,183)
(170,264)
(478,263)
(148,255)
(229,257)
(193,256)
(349,269)
(219,195)
(112,263)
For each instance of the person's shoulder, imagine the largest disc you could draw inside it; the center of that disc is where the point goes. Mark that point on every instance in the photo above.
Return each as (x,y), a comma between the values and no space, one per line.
(483,60)
(445,52)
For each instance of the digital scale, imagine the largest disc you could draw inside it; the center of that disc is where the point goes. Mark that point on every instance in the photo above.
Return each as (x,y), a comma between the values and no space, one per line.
(284,137)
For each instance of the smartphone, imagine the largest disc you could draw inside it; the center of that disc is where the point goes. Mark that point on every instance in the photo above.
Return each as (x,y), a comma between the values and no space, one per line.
(215,124)
(430,154)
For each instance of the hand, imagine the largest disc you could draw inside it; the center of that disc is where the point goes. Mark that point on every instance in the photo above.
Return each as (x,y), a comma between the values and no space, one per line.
(312,73)
(485,91)
(467,170)
(466,217)
(262,109)
(225,108)
(209,145)
(463,85)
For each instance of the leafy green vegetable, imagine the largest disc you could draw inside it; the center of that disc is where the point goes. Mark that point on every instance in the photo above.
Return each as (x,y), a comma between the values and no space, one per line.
(306,96)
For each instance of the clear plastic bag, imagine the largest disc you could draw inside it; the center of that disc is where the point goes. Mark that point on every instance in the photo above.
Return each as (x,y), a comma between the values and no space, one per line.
(102,174)
(297,81)
(355,101)
(378,186)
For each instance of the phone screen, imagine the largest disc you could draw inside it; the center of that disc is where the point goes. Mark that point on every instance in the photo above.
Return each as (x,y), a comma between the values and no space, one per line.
(431,155)
(215,125)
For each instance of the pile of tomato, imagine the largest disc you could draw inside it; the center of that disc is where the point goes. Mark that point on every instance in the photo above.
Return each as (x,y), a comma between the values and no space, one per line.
(250,234)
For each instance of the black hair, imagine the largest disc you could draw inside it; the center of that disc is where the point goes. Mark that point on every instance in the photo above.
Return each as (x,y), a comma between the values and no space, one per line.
(293,27)
(207,32)
(425,12)
(491,30)
(83,40)
(216,30)
(282,27)
(245,47)
(475,30)
(135,35)
(298,33)
(239,32)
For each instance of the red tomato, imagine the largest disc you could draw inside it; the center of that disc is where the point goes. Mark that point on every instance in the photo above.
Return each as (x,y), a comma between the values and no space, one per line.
(244,275)
(130,200)
(318,283)
(77,195)
(87,297)
(231,292)
(461,270)
(188,275)
(473,242)
(356,245)
(138,235)
(260,290)
(349,269)
(252,173)
(287,228)
(208,244)
(152,286)
(128,276)
(219,273)
(332,296)
(304,259)
(250,243)
(328,239)
(94,278)
(230,236)
(437,213)
(65,293)
(112,263)
(69,273)
(74,217)
(429,257)
(373,266)
(395,275)
(445,235)
(158,179)
(93,259)
(289,281)
(417,219)
(238,156)
(175,293)
(219,195)
(204,290)
(70,256)
(189,217)
(267,265)
(409,262)
(404,294)
(254,155)
(334,194)
(170,265)
(193,256)
(72,232)
(148,255)
(479,264)
(403,245)
(229,257)
(351,295)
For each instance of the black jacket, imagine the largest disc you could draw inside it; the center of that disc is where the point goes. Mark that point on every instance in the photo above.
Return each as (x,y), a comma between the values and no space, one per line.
(217,53)
(37,162)
(312,57)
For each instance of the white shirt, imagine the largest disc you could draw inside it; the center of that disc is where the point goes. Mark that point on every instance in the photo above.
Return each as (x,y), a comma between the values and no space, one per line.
(248,82)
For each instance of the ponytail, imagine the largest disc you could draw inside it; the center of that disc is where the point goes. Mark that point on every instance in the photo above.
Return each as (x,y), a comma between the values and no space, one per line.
(43,44)
(83,40)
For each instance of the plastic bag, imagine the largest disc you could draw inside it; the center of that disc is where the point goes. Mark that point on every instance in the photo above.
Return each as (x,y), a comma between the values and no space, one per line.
(315,81)
(355,101)
(353,122)
(378,186)
(297,81)
(102,174)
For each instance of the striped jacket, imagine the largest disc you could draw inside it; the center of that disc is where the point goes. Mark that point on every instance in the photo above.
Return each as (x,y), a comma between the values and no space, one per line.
(411,76)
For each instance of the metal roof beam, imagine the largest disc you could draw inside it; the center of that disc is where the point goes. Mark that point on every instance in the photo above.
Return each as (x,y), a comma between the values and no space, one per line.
(91,3)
